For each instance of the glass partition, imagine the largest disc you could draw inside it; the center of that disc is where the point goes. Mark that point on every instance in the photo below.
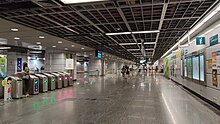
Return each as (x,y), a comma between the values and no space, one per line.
(189,67)
(195,62)
(202,70)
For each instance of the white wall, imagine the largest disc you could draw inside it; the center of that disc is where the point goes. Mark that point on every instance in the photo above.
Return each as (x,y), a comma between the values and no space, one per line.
(209,92)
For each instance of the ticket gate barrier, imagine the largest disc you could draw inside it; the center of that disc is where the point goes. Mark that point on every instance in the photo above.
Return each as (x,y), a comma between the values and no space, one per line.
(43,83)
(65,79)
(70,78)
(59,80)
(51,81)
(16,87)
(34,85)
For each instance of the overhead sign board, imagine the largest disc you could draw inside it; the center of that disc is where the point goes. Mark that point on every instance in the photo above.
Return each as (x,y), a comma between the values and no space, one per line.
(213,40)
(200,40)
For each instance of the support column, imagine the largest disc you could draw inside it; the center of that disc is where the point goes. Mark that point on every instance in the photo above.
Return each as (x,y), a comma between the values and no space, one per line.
(75,67)
(102,67)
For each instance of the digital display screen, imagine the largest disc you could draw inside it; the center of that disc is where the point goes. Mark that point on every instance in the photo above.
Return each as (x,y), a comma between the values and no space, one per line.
(99,55)
(53,79)
(196,67)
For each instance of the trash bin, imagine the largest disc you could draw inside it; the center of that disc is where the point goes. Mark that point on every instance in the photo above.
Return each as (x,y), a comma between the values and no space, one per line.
(59,80)
(34,85)
(70,78)
(51,81)
(16,87)
(65,79)
(43,83)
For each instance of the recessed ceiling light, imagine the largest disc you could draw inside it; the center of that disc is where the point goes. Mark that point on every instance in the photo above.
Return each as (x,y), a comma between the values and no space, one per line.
(66,48)
(90,54)
(53,46)
(73,45)
(41,37)
(79,1)
(14,29)
(16,38)
(60,42)
(82,48)
(38,43)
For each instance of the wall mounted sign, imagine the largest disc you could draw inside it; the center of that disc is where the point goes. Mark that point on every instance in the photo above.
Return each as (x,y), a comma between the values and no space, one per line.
(19,64)
(200,40)
(214,77)
(213,40)
(69,64)
(218,59)
(214,60)
(186,51)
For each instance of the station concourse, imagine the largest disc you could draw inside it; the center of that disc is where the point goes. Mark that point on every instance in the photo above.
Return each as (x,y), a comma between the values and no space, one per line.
(109,62)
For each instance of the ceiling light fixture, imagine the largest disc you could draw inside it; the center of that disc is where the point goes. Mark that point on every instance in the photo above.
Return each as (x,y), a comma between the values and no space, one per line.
(16,38)
(133,32)
(38,43)
(79,1)
(66,48)
(53,46)
(14,29)
(5,48)
(145,32)
(82,48)
(60,42)
(136,43)
(119,33)
(41,37)
(73,45)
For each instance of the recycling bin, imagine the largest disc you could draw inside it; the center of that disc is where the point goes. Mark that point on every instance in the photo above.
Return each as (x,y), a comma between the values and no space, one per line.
(34,85)
(65,79)
(43,83)
(59,80)
(51,81)
(16,87)
(70,78)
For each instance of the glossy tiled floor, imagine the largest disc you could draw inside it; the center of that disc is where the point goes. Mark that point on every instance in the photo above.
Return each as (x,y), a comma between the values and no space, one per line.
(111,100)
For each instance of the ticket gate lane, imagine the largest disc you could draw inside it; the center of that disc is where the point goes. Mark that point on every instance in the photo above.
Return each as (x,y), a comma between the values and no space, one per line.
(43,83)
(51,81)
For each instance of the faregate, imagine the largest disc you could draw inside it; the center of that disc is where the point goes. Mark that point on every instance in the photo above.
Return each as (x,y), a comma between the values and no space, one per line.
(34,85)
(51,81)
(43,83)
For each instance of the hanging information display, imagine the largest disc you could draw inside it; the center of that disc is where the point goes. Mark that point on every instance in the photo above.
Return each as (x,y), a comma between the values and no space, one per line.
(214,77)
(214,60)
(213,40)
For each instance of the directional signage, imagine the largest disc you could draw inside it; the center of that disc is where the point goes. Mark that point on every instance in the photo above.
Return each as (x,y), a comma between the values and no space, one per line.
(213,40)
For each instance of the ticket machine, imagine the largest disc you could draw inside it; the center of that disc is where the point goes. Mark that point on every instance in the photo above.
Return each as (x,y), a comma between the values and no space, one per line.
(51,81)
(34,85)
(65,78)
(43,83)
